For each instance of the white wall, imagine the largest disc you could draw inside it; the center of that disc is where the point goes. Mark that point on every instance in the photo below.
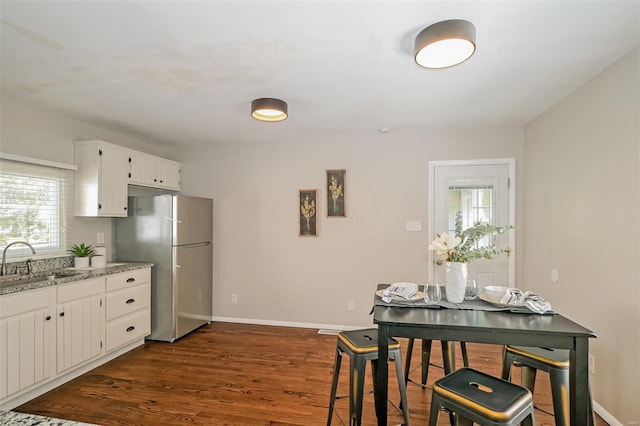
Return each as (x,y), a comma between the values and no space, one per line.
(582,216)
(279,276)
(40,134)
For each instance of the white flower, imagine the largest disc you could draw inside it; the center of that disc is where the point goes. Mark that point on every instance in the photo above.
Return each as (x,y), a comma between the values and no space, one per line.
(444,244)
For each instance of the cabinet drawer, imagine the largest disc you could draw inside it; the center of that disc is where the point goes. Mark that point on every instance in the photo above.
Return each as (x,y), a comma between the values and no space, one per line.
(128,279)
(125,330)
(127,300)
(27,301)
(79,289)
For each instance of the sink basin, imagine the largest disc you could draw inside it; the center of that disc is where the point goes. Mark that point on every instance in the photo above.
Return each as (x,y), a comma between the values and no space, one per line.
(55,275)
(23,281)
(62,274)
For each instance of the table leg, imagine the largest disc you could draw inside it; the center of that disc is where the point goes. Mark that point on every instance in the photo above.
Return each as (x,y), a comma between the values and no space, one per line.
(448,356)
(382,377)
(581,408)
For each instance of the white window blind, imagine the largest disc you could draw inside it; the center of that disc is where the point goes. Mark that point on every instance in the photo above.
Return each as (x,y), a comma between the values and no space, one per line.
(34,207)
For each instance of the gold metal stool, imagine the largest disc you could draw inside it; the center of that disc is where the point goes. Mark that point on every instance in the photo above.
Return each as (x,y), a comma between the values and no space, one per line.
(553,361)
(362,346)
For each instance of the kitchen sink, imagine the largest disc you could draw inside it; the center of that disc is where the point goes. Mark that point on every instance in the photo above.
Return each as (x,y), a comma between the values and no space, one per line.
(52,276)
(63,274)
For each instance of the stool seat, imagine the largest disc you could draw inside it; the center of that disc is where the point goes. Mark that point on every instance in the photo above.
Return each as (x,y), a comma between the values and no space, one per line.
(478,397)
(362,346)
(558,358)
(364,341)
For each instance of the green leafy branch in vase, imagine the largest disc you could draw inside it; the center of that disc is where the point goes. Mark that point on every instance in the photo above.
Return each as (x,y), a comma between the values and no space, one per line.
(463,245)
(308,210)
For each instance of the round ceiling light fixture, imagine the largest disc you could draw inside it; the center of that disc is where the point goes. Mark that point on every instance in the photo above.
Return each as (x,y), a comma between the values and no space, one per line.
(445,44)
(269,109)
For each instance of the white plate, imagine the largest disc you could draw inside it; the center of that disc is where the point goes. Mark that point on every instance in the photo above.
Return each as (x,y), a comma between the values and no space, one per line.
(491,300)
(417,296)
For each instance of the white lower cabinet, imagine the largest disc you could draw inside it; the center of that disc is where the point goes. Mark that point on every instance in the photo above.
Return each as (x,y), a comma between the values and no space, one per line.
(80,323)
(48,333)
(128,316)
(27,336)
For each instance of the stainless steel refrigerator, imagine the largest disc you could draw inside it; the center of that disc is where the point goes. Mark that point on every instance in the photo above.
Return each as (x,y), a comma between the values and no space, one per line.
(174,232)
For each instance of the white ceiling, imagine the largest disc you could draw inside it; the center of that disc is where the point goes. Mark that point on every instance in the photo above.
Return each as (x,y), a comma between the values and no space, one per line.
(186,72)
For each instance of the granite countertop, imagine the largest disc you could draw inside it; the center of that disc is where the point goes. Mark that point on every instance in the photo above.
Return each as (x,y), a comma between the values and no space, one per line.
(12,418)
(16,284)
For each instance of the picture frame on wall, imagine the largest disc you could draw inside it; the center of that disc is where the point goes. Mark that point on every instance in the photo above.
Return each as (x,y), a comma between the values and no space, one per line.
(308,212)
(336,190)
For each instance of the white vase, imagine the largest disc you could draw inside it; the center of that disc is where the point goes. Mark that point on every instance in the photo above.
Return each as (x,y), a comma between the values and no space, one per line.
(456,281)
(81,262)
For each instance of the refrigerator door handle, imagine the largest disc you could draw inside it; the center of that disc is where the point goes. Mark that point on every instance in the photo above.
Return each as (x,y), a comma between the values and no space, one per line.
(173,220)
(194,245)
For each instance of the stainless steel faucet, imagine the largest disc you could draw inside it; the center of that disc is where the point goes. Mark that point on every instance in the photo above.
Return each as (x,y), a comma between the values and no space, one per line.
(3,271)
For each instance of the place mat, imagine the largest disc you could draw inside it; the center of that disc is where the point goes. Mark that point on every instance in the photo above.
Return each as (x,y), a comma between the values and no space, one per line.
(476,305)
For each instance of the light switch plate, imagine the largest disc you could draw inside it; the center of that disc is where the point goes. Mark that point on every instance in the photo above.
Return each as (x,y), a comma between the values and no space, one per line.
(100,238)
(414,226)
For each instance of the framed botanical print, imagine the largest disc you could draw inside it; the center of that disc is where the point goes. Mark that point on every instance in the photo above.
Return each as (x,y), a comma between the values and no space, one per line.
(307,209)
(336,190)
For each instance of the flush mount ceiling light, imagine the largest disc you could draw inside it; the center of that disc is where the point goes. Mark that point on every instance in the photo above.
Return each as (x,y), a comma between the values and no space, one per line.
(269,109)
(445,44)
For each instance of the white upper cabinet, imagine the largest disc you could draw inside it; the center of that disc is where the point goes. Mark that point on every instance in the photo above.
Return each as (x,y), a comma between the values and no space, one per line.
(156,172)
(105,170)
(101,179)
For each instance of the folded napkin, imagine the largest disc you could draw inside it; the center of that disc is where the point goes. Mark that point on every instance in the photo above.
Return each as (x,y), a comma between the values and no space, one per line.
(403,290)
(532,301)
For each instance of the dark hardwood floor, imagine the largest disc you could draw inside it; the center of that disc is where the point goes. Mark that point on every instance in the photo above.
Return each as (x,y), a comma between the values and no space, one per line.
(239,374)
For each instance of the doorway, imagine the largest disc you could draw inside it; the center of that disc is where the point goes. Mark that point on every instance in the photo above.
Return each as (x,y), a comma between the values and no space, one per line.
(482,190)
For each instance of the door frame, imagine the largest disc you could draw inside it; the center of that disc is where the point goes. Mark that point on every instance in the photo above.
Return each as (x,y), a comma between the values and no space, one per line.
(431,232)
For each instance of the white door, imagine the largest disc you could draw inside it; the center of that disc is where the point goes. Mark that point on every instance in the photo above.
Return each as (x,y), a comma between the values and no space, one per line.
(482,190)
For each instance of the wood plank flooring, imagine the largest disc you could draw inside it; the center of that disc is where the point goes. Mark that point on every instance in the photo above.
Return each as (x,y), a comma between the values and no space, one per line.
(240,374)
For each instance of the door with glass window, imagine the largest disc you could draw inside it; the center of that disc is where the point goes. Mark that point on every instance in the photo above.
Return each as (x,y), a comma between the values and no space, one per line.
(481,192)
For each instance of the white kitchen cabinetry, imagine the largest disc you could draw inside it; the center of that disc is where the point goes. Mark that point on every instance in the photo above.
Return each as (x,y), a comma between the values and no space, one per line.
(80,323)
(27,336)
(152,171)
(101,179)
(127,307)
(54,334)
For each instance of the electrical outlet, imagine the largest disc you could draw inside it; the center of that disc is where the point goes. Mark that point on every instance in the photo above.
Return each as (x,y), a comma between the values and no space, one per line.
(234,299)
(100,238)
(351,306)
(592,364)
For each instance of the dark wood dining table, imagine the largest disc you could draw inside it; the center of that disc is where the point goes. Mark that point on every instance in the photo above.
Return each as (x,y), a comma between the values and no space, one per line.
(502,327)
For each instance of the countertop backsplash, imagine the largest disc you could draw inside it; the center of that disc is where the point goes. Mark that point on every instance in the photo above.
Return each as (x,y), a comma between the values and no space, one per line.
(40,265)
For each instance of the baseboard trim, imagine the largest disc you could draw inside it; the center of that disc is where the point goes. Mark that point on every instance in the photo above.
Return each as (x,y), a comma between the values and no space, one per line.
(606,416)
(286,323)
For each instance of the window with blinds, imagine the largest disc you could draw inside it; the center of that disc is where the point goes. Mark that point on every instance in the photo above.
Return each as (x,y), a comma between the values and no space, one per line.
(477,204)
(34,207)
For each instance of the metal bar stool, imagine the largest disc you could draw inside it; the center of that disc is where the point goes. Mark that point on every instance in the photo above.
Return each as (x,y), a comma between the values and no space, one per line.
(478,397)
(362,346)
(448,353)
(553,361)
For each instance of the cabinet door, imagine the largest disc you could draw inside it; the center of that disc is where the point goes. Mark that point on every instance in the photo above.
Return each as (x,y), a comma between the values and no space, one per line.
(80,328)
(142,169)
(25,351)
(114,175)
(168,174)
